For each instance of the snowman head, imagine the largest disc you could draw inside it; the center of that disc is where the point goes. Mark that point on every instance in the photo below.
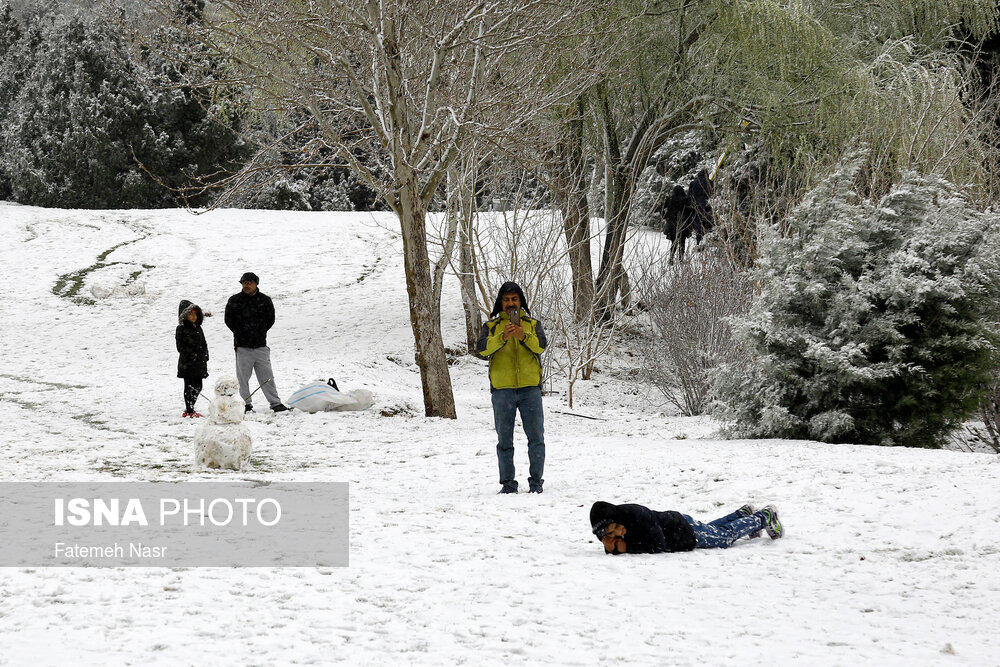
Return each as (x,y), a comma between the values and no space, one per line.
(227,385)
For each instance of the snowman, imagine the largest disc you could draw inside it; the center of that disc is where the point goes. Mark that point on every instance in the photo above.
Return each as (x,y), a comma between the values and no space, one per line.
(223,440)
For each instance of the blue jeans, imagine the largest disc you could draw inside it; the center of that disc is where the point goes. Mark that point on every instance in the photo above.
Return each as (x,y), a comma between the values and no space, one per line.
(721,533)
(527,401)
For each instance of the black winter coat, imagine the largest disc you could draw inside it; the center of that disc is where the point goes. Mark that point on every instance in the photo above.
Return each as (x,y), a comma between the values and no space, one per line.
(646,531)
(250,317)
(698,193)
(191,345)
(673,212)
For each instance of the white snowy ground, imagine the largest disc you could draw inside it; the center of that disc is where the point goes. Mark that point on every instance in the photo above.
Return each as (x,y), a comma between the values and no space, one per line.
(891,556)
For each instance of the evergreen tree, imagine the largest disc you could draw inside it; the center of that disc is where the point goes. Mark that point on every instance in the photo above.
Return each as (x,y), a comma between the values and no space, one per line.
(197,122)
(15,50)
(92,125)
(875,323)
(286,184)
(77,123)
(10,30)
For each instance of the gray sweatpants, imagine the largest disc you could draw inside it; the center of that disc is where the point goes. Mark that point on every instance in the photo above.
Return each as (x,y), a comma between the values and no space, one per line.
(256,360)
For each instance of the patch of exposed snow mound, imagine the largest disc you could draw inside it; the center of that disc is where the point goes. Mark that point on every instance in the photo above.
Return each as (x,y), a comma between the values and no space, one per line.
(104,291)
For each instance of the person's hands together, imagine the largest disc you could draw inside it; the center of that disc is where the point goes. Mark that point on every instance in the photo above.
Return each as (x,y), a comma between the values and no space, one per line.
(513,330)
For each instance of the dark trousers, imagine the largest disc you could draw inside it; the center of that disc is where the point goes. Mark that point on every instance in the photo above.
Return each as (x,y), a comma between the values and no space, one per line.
(192,387)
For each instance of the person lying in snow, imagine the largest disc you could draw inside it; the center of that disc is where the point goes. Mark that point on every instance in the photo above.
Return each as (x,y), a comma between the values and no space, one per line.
(636,529)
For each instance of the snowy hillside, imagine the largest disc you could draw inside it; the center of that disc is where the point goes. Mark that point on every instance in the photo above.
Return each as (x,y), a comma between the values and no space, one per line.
(891,555)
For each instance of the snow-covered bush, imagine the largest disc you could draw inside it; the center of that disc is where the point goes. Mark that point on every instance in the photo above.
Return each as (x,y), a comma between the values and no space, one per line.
(12,47)
(875,323)
(332,195)
(283,194)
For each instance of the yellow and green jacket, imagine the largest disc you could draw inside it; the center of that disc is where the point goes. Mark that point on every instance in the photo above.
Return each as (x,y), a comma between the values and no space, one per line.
(513,364)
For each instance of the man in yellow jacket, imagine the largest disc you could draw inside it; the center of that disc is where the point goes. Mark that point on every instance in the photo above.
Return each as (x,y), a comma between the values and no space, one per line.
(513,342)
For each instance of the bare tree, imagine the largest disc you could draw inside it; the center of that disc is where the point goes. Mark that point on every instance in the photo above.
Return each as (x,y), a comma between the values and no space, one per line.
(989,415)
(583,342)
(417,79)
(459,219)
(637,118)
(520,243)
(461,212)
(569,184)
(689,304)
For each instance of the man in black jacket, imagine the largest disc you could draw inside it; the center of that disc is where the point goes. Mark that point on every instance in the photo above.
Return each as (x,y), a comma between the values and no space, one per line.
(249,315)
(636,529)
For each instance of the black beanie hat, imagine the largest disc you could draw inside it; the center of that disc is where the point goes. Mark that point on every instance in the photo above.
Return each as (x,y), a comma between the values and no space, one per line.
(601,516)
(249,275)
(509,288)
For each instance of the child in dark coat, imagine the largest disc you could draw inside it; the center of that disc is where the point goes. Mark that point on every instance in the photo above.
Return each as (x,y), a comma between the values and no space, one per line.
(192,364)
(636,529)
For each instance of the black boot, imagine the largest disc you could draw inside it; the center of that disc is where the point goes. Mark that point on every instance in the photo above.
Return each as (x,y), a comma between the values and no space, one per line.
(509,487)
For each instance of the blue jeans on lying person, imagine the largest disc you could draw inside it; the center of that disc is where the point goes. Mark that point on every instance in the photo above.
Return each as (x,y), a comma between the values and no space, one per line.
(721,533)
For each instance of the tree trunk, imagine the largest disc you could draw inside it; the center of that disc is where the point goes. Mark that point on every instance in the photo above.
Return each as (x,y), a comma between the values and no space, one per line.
(425,319)
(411,208)
(609,277)
(571,193)
(625,289)
(462,205)
(473,316)
(467,279)
(447,243)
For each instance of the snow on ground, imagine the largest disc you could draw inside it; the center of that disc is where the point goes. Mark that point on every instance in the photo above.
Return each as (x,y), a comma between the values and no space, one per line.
(891,556)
